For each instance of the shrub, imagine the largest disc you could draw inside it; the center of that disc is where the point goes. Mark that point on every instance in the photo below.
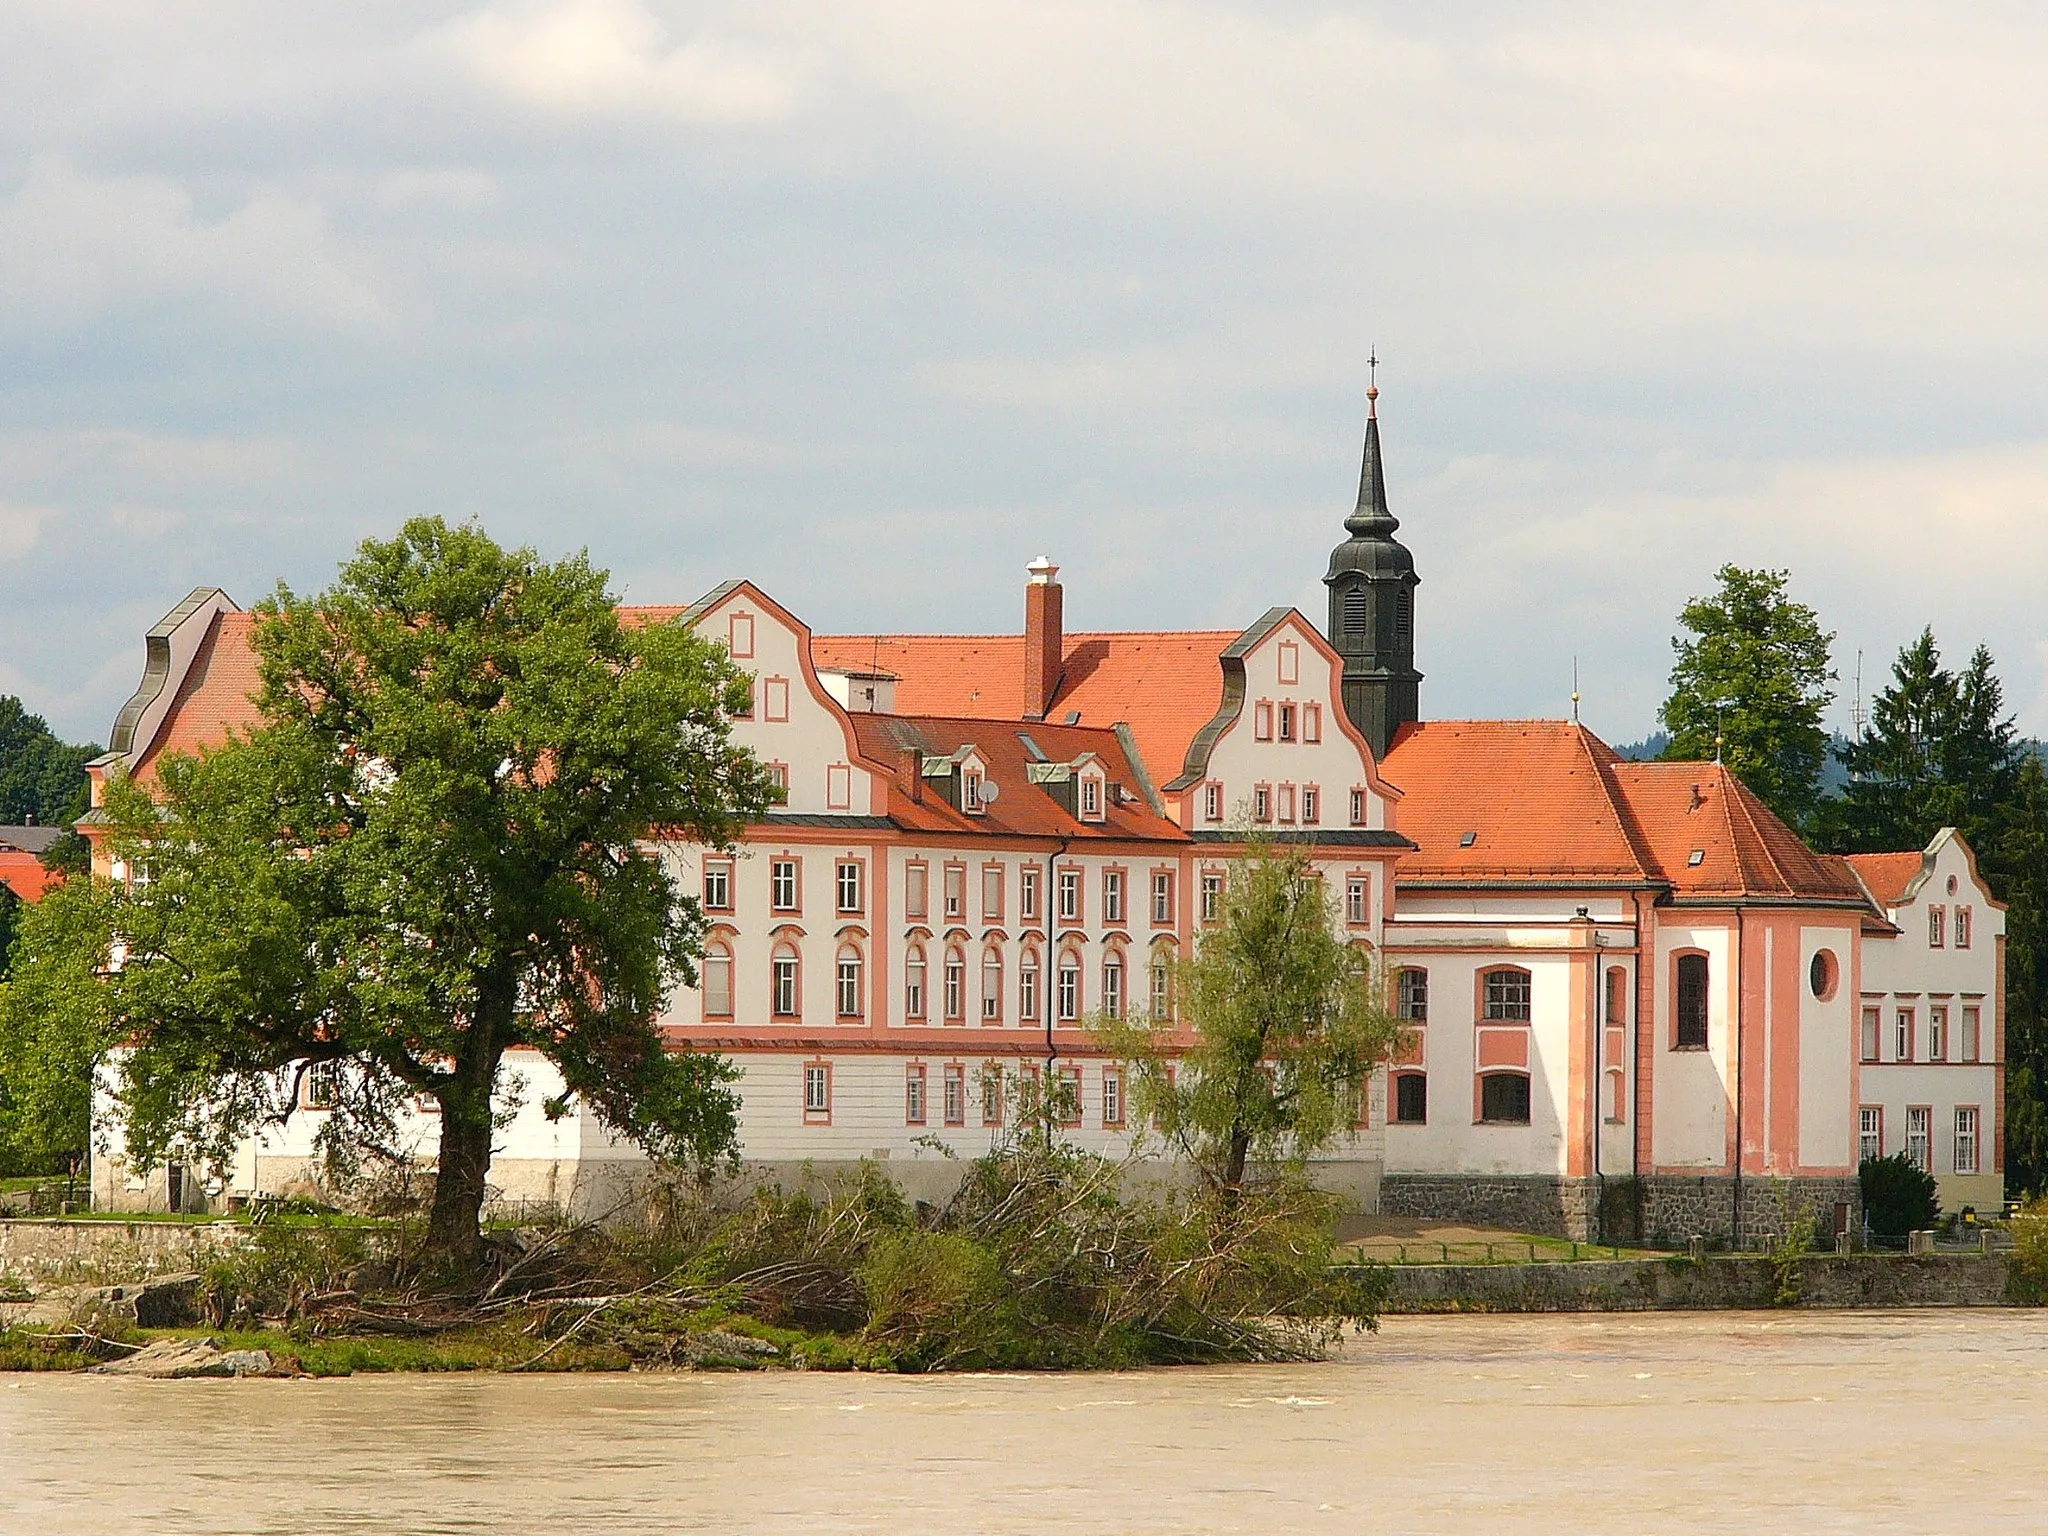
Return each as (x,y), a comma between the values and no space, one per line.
(2027,1280)
(1897,1197)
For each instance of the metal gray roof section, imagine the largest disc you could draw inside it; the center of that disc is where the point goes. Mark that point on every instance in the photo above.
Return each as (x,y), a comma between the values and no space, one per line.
(156,667)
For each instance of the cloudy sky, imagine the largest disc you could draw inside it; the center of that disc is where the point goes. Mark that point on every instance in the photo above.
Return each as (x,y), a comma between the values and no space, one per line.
(875,300)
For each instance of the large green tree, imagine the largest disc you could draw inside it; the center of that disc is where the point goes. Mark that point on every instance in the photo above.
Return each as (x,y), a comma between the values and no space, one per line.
(1280,1020)
(435,848)
(1751,681)
(42,778)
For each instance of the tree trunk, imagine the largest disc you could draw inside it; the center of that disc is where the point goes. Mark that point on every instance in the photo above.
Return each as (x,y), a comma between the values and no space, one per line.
(455,1228)
(1234,1161)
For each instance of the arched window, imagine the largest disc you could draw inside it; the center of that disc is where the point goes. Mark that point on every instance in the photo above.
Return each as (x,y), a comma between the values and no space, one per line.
(784,992)
(1162,984)
(849,987)
(1411,1098)
(1506,996)
(1027,986)
(913,983)
(716,974)
(1069,987)
(1113,985)
(956,985)
(1615,1102)
(1691,1013)
(992,985)
(1504,1098)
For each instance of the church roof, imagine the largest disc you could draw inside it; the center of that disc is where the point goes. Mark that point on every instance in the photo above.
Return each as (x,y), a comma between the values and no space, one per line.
(1888,875)
(1165,684)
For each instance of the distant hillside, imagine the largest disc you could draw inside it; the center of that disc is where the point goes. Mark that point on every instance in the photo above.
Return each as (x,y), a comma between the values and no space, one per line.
(1649,749)
(1833,776)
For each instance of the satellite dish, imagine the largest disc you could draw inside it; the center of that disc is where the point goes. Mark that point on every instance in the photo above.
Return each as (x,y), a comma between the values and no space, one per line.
(989,791)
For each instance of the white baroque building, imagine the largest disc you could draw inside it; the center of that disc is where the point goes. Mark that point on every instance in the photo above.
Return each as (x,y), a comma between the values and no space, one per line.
(1643,1006)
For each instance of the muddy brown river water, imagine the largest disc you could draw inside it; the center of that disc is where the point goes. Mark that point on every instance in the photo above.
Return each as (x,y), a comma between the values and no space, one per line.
(1851,1422)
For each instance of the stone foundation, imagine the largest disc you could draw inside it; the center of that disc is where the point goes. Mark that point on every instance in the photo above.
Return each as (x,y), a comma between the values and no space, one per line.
(1658,1212)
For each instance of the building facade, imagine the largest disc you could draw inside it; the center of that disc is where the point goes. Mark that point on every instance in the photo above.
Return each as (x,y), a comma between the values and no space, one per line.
(1638,999)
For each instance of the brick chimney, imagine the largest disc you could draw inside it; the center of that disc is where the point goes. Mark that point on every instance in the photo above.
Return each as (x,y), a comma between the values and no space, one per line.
(1045,637)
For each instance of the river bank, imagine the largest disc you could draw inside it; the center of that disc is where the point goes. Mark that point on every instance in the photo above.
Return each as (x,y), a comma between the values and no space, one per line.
(1677,1423)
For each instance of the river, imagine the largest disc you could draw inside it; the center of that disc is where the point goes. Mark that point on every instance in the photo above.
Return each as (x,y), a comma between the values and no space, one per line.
(1867,1422)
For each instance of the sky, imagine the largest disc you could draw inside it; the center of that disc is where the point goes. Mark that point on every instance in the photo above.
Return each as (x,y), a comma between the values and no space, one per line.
(874,301)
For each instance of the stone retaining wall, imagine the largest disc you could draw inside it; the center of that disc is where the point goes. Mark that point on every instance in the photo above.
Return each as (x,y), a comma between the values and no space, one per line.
(59,1251)
(1661,1211)
(1646,1285)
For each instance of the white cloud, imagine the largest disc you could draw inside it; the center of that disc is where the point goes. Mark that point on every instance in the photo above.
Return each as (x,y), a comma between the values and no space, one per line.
(607,57)
(74,247)
(20,527)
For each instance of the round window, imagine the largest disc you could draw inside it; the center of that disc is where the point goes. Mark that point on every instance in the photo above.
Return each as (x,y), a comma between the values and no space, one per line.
(1823,974)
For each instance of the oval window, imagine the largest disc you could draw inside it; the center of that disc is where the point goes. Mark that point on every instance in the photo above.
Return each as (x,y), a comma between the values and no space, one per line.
(1823,974)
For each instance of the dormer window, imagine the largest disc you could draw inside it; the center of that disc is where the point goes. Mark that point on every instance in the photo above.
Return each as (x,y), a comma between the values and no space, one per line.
(970,792)
(1091,798)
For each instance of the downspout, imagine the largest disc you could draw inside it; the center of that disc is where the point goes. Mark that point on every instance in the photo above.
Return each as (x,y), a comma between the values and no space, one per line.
(1735,1210)
(1048,1004)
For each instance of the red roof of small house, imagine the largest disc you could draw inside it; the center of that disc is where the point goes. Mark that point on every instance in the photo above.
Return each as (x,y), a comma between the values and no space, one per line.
(22,872)
(1888,874)
(1164,684)
(1021,808)
(1689,811)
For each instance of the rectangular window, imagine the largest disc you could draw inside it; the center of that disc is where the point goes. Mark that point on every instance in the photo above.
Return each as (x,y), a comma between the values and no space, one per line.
(1902,1035)
(956,987)
(1358,807)
(1113,988)
(956,890)
(1290,662)
(1411,1099)
(1962,927)
(1311,805)
(1091,799)
(1919,1136)
(778,780)
(913,985)
(322,1085)
(1357,901)
(1966,1138)
(1262,721)
(1287,722)
(1873,1025)
(1504,1098)
(1286,802)
(1112,1098)
(817,1091)
(1937,1032)
(1212,802)
(1162,898)
(1262,803)
(1070,895)
(739,636)
(1162,991)
(1507,995)
(1937,926)
(913,1096)
(1311,723)
(1870,1132)
(1027,988)
(1112,895)
(1069,1106)
(1415,995)
(1070,989)
(970,792)
(849,987)
(784,889)
(916,883)
(1691,1018)
(1027,895)
(955,1105)
(718,885)
(783,971)
(991,987)
(848,873)
(991,1095)
(838,787)
(1212,896)
(718,985)
(1973,1041)
(992,893)
(746,710)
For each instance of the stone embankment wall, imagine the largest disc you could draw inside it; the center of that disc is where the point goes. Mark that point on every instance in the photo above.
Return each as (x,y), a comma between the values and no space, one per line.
(64,1252)
(1677,1284)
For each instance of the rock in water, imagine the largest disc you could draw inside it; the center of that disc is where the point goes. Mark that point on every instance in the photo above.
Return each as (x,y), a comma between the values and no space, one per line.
(181,1359)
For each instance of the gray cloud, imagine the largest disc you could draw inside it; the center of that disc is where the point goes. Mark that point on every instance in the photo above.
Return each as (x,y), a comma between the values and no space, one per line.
(874,301)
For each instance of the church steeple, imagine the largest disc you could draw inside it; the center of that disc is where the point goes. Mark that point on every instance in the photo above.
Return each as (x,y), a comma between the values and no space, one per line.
(1372,585)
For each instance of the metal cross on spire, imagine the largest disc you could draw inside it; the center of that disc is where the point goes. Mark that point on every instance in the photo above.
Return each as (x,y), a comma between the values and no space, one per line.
(1372,387)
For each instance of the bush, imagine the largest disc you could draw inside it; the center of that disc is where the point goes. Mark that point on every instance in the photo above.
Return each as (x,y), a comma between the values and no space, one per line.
(1897,1197)
(2027,1280)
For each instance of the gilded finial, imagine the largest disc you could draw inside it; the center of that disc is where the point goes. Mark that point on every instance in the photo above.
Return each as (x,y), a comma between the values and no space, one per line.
(1372,388)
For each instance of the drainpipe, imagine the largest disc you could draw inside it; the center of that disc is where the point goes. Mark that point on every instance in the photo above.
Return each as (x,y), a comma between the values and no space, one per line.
(1735,1212)
(1049,1003)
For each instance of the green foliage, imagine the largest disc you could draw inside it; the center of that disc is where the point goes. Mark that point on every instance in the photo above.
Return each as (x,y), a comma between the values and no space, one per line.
(432,850)
(54,1025)
(10,924)
(2027,1276)
(275,1275)
(1280,1021)
(1755,672)
(41,778)
(1897,1197)
(2017,866)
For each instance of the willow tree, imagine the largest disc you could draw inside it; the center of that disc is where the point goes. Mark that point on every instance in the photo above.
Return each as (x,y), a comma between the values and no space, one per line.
(432,849)
(1279,1020)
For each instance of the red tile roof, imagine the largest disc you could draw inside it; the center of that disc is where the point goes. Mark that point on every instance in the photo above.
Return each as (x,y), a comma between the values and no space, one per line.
(1688,809)
(23,873)
(1022,808)
(1164,684)
(1888,874)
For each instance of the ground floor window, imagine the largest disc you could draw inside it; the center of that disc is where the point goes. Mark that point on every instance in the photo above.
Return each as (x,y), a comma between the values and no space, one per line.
(913,1096)
(956,1096)
(1504,1098)
(1966,1138)
(1920,1137)
(817,1091)
(1870,1133)
(992,1095)
(1411,1098)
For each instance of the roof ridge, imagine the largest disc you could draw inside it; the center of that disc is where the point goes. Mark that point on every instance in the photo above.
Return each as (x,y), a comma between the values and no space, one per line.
(1742,797)
(1624,812)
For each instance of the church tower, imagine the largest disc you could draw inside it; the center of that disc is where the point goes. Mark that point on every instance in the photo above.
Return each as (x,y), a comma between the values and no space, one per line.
(1372,584)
